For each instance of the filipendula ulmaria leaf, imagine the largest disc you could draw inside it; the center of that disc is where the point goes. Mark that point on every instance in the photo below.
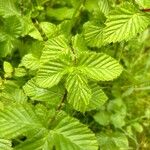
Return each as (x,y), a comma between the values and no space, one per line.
(50,73)
(30,62)
(40,141)
(79,45)
(51,96)
(70,134)
(112,141)
(7,8)
(93,34)
(54,48)
(6,48)
(11,93)
(20,72)
(67,134)
(102,117)
(118,120)
(12,29)
(124,22)
(99,66)
(16,120)
(98,97)
(144,3)
(104,6)
(79,93)
(48,28)
(93,29)
(8,69)
(5,144)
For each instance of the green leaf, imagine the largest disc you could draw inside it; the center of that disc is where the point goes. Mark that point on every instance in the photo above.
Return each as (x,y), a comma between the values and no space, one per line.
(99,66)
(51,73)
(5,144)
(118,120)
(79,44)
(54,48)
(7,8)
(70,134)
(93,34)
(138,127)
(20,72)
(65,28)
(51,96)
(60,13)
(6,48)
(144,3)
(79,93)
(18,119)
(48,28)
(8,69)
(124,22)
(11,93)
(117,106)
(104,6)
(14,95)
(13,27)
(112,141)
(30,62)
(102,117)
(98,97)
(40,141)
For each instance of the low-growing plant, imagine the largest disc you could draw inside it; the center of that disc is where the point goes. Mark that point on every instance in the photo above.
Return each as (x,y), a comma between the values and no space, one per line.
(74,74)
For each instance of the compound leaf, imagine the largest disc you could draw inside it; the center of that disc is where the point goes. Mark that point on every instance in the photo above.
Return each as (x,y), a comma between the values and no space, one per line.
(7,8)
(51,73)
(30,62)
(99,66)
(54,48)
(124,23)
(93,35)
(18,119)
(70,134)
(51,96)
(98,97)
(79,93)
(67,134)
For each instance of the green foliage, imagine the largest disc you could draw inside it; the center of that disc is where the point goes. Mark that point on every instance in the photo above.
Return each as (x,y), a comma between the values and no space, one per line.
(115,141)
(7,8)
(124,23)
(144,3)
(5,144)
(67,131)
(79,97)
(74,74)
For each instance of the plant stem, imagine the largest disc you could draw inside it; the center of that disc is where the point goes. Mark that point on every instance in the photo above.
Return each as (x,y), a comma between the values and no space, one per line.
(76,14)
(51,120)
(146,10)
(38,27)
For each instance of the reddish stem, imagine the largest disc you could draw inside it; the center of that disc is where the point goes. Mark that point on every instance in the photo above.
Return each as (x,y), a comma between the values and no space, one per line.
(146,10)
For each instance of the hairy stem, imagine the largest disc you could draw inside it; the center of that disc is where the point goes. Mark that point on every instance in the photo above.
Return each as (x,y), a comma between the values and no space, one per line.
(38,27)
